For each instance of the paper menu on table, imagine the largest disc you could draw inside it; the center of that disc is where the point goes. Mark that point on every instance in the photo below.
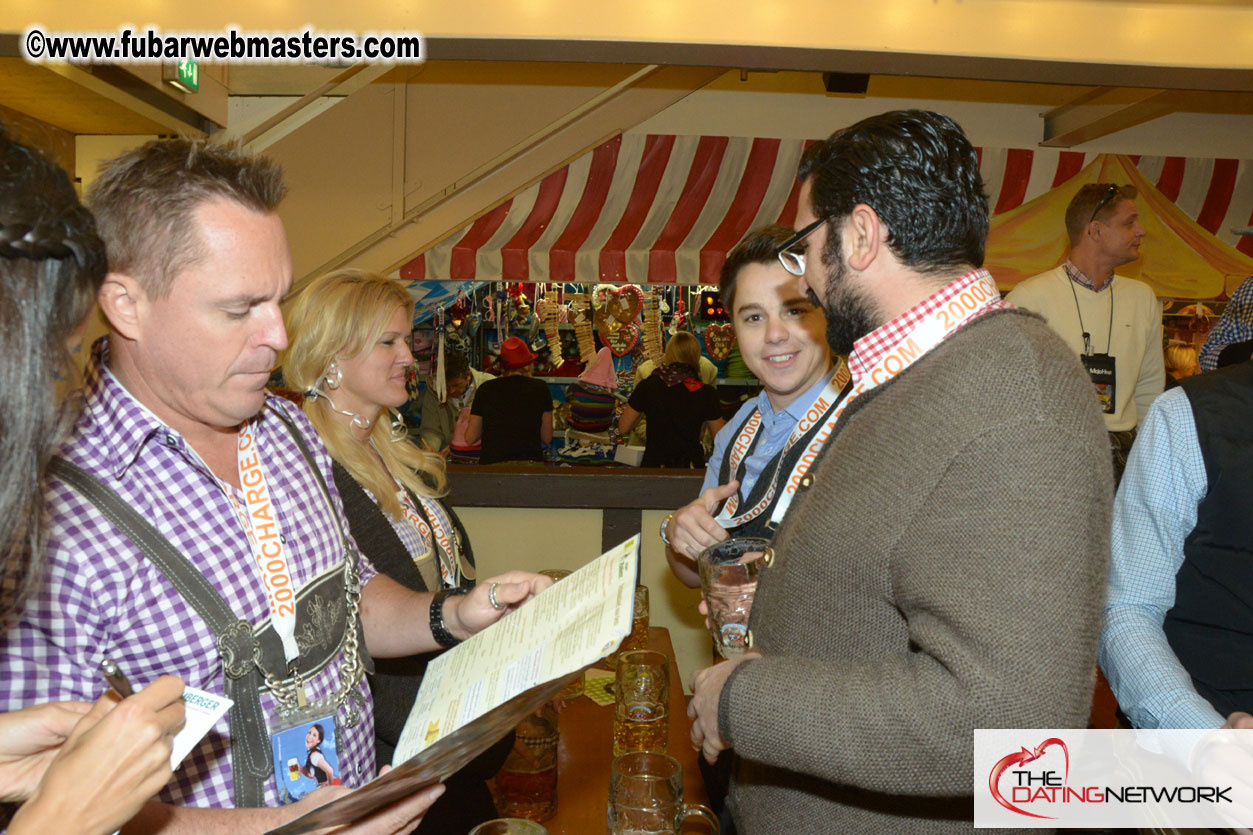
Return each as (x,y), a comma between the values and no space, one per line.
(570,625)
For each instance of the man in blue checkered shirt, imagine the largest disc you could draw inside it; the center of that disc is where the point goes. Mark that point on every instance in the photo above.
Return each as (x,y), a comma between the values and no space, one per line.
(1177,638)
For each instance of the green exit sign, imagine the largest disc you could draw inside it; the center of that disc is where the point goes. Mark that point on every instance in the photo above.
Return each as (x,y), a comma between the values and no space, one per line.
(188,75)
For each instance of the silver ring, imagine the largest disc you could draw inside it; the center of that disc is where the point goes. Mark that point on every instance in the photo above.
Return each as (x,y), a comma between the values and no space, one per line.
(491,598)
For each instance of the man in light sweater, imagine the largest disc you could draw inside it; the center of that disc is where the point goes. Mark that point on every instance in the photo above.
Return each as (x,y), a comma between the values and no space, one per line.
(1114,323)
(902,609)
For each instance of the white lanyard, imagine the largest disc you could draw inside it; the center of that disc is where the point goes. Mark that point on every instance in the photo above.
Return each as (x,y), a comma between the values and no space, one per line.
(819,409)
(433,534)
(269,551)
(973,295)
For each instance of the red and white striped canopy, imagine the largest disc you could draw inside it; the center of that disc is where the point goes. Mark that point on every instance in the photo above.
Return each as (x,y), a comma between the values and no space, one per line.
(666,209)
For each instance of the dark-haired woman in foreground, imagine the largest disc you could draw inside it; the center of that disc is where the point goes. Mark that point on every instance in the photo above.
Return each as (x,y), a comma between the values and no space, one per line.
(52,755)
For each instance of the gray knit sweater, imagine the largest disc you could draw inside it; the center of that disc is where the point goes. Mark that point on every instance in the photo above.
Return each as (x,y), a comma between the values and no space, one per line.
(943,572)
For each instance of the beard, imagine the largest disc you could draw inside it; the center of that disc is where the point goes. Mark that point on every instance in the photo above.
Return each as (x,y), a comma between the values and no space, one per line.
(850,313)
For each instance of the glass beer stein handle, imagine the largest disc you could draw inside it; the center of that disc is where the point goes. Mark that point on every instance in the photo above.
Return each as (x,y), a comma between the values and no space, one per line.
(690,809)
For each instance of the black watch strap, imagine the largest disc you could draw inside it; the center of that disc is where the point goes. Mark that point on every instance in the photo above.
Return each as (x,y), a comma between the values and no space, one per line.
(439,631)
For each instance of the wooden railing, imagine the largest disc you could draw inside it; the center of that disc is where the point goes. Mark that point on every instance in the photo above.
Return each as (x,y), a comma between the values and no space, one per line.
(621,492)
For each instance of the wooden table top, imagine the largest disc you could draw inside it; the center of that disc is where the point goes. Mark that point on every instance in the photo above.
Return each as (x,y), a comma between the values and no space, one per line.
(586,751)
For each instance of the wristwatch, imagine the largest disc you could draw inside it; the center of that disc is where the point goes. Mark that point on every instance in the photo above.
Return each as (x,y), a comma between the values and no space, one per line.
(439,630)
(665,523)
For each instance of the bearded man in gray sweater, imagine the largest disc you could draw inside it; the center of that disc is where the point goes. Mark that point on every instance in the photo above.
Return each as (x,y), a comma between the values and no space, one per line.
(942,562)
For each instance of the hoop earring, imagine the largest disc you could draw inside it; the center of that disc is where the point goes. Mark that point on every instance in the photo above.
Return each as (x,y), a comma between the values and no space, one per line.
(399,431)
(333,376)
(314,393)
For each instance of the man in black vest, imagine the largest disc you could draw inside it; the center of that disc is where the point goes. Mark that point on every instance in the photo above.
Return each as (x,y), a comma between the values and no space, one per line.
(1177,639)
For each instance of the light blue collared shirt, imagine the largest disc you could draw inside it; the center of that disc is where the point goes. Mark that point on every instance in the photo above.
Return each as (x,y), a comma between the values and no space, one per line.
(1154,512)
(775,429)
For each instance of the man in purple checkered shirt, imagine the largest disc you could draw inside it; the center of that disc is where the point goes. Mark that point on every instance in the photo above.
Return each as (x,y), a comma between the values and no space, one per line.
(198,265)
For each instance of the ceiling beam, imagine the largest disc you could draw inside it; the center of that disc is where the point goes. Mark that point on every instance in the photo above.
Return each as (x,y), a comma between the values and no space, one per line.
(427,216)
(875,61)
(1091,116)
(354,78)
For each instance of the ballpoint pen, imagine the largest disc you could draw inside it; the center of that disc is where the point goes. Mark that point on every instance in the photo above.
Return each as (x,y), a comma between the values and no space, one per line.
(116,679)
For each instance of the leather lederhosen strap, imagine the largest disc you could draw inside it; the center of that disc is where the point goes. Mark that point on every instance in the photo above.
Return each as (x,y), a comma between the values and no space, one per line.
(237,641)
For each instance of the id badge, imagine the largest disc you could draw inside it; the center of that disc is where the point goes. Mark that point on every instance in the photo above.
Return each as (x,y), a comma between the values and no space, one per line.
(1100,368)
(306,751)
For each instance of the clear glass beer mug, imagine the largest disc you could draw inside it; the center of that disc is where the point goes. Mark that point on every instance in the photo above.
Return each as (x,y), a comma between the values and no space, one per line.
(641,719)
(728,581)
(527,782)
(638,638)
(646,796)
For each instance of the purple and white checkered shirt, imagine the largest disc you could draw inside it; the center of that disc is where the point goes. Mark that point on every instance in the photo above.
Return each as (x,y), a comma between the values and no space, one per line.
(101,597)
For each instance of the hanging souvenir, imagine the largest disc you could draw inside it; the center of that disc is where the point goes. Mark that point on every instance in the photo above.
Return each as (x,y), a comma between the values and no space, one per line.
(502,313)
(548,311)
(718,341)
(625,303)
(581,317)
(623,340)
(439,381)
(652,328)
(679,319)
(621,306)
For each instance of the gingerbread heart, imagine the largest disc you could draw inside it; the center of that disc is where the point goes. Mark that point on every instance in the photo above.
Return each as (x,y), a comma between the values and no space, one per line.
(605,324)
(718,341)
(622,340)
(624,303)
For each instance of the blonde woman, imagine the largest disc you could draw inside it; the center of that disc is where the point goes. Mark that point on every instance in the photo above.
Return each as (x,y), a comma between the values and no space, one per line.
(676,404)
(348,335)
(1181,362)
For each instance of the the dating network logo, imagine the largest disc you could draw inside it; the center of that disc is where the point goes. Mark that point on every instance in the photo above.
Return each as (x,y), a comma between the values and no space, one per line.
(1021,791)
(1112,779)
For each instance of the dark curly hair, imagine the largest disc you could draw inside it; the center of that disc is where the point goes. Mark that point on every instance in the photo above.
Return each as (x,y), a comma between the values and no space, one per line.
(52,262)
(920,174)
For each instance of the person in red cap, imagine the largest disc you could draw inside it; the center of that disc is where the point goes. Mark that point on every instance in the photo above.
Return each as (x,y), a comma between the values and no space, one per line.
(513,414)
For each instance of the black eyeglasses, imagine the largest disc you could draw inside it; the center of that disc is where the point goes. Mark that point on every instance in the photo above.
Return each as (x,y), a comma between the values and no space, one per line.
(793,261)
(1110,192)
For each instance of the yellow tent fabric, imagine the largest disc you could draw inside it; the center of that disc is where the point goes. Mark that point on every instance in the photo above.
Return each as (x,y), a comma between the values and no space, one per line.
(1178,258)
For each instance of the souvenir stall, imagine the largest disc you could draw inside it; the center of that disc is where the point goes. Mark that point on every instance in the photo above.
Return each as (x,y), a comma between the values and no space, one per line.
(566,325)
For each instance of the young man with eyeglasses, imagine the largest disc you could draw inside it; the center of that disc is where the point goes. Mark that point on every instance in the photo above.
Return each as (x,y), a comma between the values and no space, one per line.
(941,566)
(1112,322)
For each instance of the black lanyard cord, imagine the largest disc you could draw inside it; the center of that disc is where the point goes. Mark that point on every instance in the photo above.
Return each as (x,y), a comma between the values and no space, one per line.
(1087,339)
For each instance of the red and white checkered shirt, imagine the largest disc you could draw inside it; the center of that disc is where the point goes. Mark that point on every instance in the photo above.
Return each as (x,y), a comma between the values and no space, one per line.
(874,346)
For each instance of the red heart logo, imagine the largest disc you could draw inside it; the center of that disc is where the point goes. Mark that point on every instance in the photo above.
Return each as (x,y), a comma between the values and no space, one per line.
(1023,757)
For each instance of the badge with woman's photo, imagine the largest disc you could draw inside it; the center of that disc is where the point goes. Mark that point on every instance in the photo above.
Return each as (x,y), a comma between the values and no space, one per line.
(306,757)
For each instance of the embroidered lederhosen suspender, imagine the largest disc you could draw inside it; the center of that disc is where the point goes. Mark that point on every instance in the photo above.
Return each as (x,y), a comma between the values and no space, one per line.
(240,647)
